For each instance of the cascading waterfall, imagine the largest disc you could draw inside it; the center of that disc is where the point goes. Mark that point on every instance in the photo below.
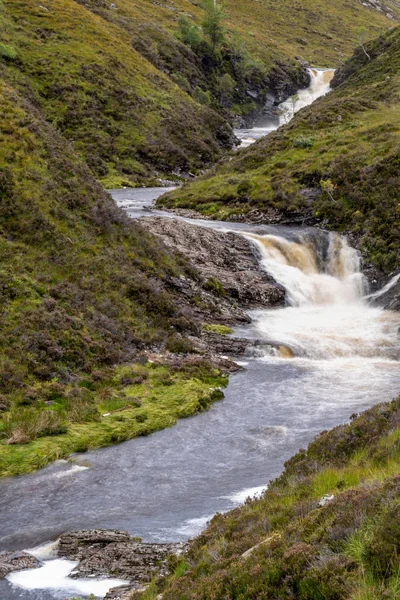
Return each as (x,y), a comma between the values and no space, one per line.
(296,266)
(319,86)
(327,316)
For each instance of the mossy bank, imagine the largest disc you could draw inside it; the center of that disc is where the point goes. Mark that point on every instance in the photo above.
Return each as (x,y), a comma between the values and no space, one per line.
(82,290)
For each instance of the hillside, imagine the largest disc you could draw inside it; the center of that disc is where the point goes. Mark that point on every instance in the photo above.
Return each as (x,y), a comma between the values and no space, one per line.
(327,528)
(138,99)
(336,163)
(83,290)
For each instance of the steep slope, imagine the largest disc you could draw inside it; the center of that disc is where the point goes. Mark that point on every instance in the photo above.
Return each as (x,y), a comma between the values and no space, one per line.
(136,101)
(336,163)
(82,290)
(328,528)
(123,115)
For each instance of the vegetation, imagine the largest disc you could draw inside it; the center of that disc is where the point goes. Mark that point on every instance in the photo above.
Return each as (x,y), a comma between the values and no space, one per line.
(109,407)
(336,163)
(82,290)
(136,85)
(327,528)
(215,328)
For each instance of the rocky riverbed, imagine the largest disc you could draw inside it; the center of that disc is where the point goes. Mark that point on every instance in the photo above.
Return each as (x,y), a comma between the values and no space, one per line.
(104,553)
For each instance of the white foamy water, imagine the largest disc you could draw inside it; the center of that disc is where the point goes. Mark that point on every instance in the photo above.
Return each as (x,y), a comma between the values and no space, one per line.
(319,86)
(193,527)
(240,497)
(328,316)
(54,576)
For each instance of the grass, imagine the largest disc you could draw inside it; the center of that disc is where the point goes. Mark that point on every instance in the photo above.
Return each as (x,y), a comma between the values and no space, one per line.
(345,176)
(82,291)
(156,401)
(347,548)
(215,328)
(124,89)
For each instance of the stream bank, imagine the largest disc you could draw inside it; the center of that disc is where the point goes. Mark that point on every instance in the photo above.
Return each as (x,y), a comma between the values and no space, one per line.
(341,357)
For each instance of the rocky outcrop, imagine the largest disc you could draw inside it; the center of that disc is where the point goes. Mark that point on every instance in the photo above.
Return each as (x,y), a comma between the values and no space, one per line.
(103,553)
(123,592)
(285,80)
(75,545)
(389,299)
(226,260)
(16,561)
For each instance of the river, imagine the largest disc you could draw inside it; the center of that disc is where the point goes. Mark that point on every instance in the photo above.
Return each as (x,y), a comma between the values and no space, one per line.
(337,356)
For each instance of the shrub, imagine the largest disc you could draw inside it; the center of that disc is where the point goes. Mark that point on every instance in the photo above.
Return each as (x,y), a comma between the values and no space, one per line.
(303,142)
(8,52)
(213,285)
(178,345)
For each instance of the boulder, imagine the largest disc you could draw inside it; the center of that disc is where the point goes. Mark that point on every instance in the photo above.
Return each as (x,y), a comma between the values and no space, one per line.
(16,561)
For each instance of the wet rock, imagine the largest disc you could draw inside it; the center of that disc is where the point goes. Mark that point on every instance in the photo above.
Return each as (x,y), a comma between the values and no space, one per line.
(16,561)
(75,545)
(285,80)
(390,300)
(111,553)
(205,306)
(134,561)
(224,257)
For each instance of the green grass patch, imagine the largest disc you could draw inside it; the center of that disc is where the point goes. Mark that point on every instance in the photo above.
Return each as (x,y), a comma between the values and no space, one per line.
(215,328)
(137,401)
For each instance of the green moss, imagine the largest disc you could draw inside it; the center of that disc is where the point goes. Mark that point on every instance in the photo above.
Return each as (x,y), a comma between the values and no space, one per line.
(214,328)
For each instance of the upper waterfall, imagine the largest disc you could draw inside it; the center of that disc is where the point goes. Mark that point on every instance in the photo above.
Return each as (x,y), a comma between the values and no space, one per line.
(319,86)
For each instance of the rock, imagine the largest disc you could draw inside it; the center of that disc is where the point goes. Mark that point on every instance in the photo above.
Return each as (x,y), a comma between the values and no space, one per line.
(123,592)
(222,256)
(111,553)
(16,561)
(134,561)
(325,500)
(389,299)
(74,545)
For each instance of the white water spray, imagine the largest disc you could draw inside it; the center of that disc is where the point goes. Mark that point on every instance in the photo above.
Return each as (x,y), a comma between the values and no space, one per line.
(327,316)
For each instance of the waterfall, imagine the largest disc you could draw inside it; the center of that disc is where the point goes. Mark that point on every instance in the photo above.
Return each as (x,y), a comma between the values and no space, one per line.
(296,265)
(327,316)
(319,86)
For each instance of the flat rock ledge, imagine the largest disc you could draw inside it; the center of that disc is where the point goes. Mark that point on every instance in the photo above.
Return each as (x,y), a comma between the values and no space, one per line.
(16,561)
(112,553)
(224,256)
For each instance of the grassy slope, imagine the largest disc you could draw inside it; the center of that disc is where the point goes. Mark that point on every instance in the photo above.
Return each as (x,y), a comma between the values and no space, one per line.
(121,112)
(344,150)
(321,32)
(107,78)
(348,549)
(82,289)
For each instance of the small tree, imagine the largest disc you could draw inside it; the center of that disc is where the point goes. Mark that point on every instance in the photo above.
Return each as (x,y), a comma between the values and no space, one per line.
(189,33)
(226,88)
(213,23)
(362,37)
